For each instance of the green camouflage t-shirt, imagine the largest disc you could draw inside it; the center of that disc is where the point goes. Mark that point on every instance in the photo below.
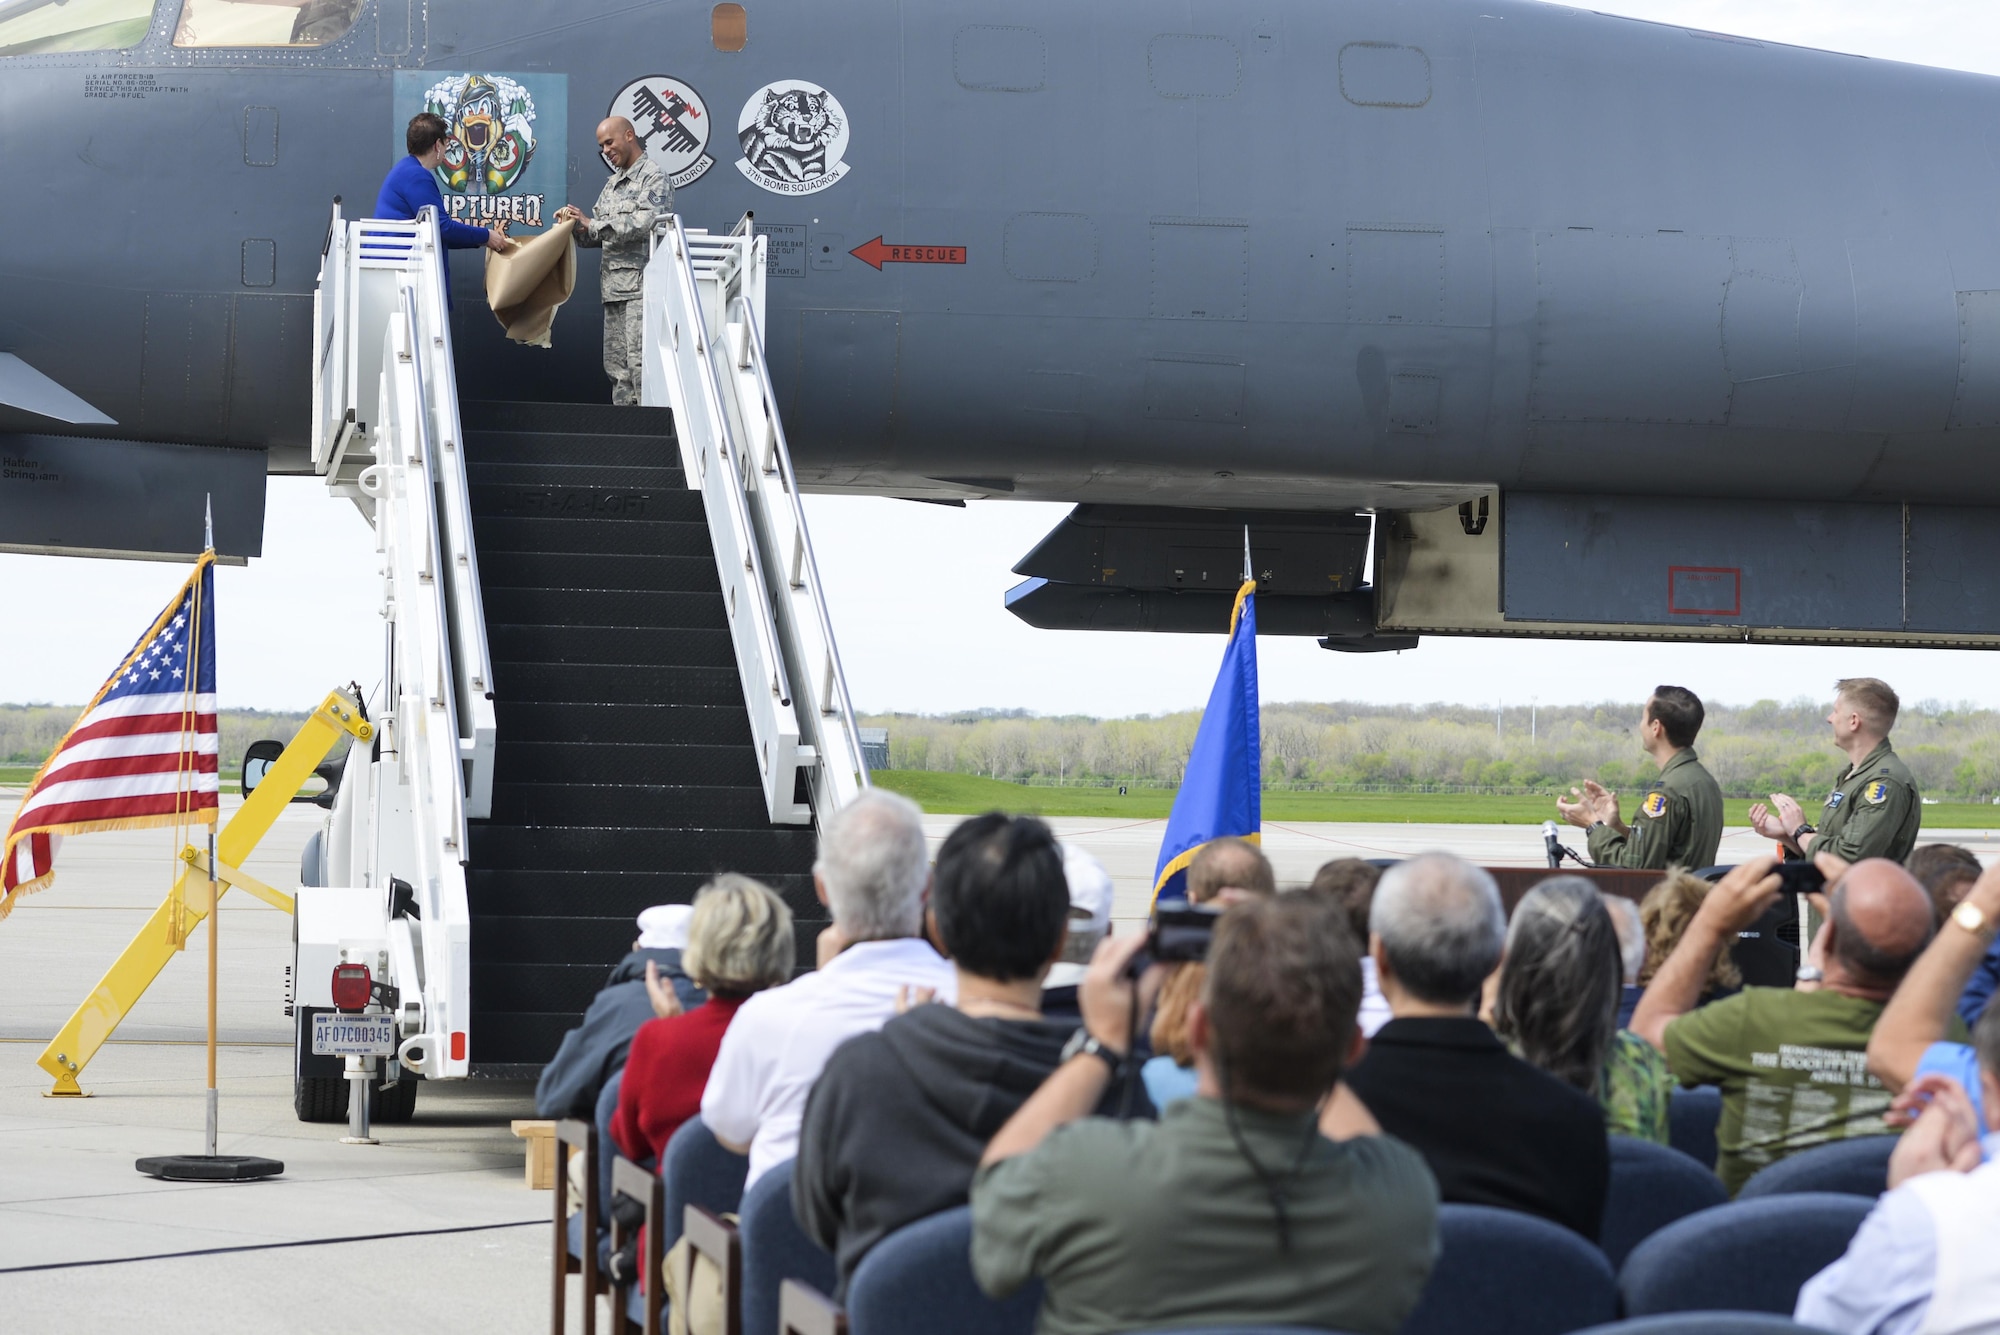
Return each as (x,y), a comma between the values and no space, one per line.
(1793,1069)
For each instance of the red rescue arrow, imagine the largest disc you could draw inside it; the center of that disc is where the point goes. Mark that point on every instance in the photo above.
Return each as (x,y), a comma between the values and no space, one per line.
(876,254)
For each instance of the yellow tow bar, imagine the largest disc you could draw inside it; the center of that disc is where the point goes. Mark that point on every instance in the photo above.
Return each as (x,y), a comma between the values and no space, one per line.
(134,971)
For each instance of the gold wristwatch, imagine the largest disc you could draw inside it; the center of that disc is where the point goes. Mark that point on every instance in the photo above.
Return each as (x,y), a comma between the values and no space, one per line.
(1972,918)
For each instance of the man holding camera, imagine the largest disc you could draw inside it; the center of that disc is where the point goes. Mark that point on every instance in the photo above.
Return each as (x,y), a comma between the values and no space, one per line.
(1874,810)
(1233,1209)
(1792,1064)
(1679,820)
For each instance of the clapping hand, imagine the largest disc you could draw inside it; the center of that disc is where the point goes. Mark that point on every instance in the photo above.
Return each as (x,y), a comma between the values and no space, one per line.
(1778,820)
(666,1001)
(1593,804)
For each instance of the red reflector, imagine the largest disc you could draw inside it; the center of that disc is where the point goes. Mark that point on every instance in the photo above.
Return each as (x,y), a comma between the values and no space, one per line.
(351,987)
(458,1046)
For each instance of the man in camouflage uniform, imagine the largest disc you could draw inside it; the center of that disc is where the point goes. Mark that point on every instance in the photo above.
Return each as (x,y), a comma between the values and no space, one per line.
(1874,810)
(636,196)
(1679,820)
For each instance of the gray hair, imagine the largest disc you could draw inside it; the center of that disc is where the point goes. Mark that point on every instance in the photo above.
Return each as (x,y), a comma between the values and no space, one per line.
(1441,926)
(1558,1002)
(874,865)
(740,938)
(1631,931)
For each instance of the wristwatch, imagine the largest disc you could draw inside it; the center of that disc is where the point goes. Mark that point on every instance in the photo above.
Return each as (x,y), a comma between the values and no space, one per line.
(1085,1043)
(1805,828)
(1809,974)
(1972,918)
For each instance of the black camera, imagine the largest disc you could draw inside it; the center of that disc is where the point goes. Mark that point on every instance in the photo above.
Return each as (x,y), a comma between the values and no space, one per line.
(1177,933)
(1800,878)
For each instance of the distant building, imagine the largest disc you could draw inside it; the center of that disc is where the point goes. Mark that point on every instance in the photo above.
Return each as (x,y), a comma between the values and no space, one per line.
(874,747)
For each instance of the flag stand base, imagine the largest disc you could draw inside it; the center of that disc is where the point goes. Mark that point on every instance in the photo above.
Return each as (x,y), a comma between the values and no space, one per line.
(65,1093)
(209,1167)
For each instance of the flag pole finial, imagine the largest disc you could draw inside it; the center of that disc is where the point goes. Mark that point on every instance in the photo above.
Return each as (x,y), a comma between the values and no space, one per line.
(1246,553)
(208,522)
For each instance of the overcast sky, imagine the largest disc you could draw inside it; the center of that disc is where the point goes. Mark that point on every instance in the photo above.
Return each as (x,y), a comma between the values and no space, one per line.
(916,589)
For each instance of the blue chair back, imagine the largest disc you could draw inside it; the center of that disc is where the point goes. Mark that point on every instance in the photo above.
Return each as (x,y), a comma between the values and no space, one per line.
(1500,1272)
(1651,1186)
(918,1280)
(1855,1167)
(776,1249)
(1748,1256)
(1692,1117)
(696,1170)
(1706,1323)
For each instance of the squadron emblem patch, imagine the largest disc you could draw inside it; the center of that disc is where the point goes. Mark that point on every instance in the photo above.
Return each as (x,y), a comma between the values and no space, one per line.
(1835,798)
(794,138)
(1877,792)
(1654,807)
(672,122)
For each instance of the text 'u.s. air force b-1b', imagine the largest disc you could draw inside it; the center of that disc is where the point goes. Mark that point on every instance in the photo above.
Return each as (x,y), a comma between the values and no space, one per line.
(1576,325)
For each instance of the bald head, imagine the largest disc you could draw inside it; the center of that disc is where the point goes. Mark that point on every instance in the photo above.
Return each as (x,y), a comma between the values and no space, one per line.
(1882,919)
(619,142)
(1229,864)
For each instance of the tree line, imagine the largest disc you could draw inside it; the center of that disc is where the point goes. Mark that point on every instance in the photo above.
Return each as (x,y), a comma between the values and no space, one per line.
(1953,750)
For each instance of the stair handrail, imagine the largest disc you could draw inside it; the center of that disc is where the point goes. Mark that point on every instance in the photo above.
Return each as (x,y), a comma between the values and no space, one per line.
(706,283)
(680,352)
(780,457)
(385,383)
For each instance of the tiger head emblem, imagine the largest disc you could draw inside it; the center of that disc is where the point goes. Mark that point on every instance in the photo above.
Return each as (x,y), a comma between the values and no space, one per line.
(791,134)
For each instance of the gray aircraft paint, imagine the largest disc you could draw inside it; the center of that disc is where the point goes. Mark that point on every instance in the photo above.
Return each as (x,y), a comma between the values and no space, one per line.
(1372,254)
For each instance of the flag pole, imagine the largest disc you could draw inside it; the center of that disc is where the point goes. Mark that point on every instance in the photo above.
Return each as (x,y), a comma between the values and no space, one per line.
(209,1166)
(214,886)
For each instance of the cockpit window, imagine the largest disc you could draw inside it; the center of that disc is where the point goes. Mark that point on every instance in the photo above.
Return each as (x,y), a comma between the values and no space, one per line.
(43,27)
(263,22)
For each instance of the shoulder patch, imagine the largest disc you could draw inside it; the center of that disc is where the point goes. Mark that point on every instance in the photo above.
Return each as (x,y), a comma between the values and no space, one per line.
(1655,805)
(1877,792)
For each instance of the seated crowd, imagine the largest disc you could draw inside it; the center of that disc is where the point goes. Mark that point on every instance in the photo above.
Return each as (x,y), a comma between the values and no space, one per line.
(1264,1136)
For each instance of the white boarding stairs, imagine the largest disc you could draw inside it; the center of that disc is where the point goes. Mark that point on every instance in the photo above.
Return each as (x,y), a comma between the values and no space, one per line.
(704,322)
(386,436)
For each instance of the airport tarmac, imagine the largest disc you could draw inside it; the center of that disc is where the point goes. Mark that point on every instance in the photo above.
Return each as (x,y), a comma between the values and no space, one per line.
(433,1225)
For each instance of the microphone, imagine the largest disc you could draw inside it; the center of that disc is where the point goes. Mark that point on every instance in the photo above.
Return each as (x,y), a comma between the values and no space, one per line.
(1553,844)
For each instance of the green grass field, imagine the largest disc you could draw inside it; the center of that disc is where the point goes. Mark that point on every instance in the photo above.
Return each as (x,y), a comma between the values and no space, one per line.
(16,774)
(965,793)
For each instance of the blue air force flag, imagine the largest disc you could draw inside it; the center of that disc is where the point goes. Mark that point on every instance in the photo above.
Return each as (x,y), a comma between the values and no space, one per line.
(1221,793)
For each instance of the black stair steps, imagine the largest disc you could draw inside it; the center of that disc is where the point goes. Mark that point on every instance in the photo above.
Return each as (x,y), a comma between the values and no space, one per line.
(631,538)
(624,774)
(663,806)
(620,683)
(583,570)
(636,608)
(639,646)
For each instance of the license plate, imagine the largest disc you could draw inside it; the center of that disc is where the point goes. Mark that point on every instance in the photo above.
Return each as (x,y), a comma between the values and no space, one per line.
(354,1035)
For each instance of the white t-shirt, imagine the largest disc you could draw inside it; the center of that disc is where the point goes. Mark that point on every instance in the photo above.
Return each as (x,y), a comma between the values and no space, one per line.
(1374,1007)
(779,1041)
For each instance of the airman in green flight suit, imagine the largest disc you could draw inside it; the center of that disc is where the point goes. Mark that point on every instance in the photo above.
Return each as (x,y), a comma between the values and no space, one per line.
(1874,810)
(1679,819)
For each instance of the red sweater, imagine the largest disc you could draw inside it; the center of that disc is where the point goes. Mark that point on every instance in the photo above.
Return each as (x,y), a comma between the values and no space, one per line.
(665,1075)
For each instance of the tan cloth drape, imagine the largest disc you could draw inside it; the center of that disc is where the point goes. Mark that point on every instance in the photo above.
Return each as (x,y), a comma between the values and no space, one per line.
(526,286)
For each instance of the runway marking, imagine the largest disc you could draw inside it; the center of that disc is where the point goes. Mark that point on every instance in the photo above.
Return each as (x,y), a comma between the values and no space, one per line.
(270,1246)
(1343,843)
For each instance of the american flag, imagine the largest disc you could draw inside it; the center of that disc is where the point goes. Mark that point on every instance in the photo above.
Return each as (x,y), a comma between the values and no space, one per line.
(145,752)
